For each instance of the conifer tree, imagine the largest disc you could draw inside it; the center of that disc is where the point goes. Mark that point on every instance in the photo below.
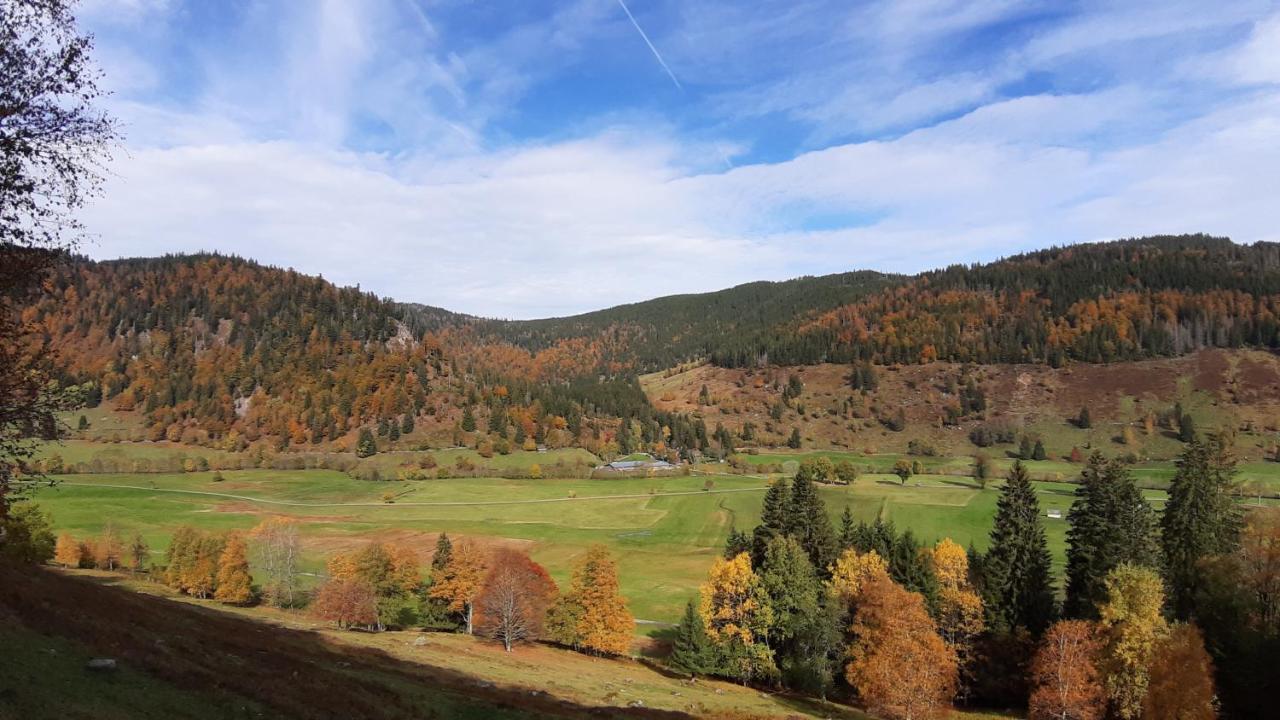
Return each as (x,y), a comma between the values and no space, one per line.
(773,518)
(468,420)
(1038,452)
(847,529)
(1110,523)
(139,553)
(736,543)
(691,651)
(799,634)
(234,584)
(808,523)
(1200,518)
(1016,576)
(366,446)
(793,442)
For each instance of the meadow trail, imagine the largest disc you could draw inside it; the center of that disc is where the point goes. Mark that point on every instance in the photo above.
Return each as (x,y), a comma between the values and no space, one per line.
(442,503)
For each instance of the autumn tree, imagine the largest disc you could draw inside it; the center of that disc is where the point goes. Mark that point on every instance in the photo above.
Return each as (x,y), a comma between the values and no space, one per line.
(899,665)
(108,549)
(53,143)
(234,583)
(592,615)
(1181,679)
(1065,681)
(959,608)
(735,606)
(514,599)
(346,602)
(457,582)
(1017,587)
(139,553)
(67,551)
(1133,626)
(1110,523)
(278,549)
(853,570)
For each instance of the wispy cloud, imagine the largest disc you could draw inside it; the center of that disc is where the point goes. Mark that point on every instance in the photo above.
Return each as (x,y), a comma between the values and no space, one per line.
(647,41)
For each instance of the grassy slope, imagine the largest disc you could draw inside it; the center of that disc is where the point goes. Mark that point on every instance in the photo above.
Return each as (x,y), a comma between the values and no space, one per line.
(1232,389)
(386,675)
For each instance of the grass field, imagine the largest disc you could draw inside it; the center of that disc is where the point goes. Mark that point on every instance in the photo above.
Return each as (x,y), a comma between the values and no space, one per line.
(664,531)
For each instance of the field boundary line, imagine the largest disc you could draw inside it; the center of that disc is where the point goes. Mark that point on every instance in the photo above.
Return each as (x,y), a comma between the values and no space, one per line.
(440,503)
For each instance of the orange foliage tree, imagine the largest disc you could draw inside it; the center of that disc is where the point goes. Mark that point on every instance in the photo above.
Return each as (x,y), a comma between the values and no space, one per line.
(514,598)
(346,602)
(593,616)
(234,584)
(67,551)
(458,581)
(1064,674)
(1181,681)
(900,667)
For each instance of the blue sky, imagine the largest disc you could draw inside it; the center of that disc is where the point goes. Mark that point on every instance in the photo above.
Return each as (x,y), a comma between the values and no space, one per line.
(525,159)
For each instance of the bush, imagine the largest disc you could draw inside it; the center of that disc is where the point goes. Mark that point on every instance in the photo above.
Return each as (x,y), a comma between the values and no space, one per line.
(26,536)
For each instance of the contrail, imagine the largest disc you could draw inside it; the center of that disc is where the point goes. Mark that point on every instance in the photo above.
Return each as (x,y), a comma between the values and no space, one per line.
(661,62)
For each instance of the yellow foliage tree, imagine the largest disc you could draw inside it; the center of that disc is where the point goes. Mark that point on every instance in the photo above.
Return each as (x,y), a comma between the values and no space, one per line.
(405,573)
(853,570)
(1133,627)
(66,552)
(234,584)
(605,625)
(458,582)
(736,611)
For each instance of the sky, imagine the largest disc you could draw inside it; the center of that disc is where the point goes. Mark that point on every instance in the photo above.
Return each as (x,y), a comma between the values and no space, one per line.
(527,158)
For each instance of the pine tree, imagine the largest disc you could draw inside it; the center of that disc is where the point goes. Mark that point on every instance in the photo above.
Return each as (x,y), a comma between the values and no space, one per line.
(736,543)
(1083,420)
(468,420)
(691,651)
(366,446)
(847,529)
(1110,523)
(234,584)
(1200,519)
(808,523)
(1038,452)
(1016,574)
(793,442)
(802,634)
(773,519)
(407,425)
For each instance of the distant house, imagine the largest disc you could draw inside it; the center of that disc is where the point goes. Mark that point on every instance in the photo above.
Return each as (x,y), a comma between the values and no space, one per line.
(630,465)
(1054,514)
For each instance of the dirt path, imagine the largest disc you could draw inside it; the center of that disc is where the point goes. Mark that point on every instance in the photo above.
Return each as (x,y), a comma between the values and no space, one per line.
(442,503)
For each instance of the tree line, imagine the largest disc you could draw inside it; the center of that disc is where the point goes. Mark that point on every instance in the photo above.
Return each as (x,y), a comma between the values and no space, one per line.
(1170,615)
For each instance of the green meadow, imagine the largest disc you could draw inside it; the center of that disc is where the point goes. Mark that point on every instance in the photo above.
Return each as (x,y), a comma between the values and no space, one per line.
(664,531)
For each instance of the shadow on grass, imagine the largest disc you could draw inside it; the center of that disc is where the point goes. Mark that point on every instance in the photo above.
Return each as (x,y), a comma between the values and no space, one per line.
(298,673)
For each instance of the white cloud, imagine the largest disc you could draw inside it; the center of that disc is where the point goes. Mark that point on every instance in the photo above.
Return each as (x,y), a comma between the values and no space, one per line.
(579,225)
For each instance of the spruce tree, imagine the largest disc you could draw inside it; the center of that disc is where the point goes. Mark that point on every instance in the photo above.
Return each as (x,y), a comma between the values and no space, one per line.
(737,543)
(692,651)
(468,420)
(1200,519)
(808,523)
(1017,581)
(366,445)
(794,441)
(795,595)
(847,529)
(773,519)
(1110,523)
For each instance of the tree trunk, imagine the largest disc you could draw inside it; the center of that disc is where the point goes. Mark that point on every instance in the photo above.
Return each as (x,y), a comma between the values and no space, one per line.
(469,619)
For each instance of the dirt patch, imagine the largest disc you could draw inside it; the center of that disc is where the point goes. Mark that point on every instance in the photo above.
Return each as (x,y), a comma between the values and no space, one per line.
(242,507)
(424,543)
(1212,367)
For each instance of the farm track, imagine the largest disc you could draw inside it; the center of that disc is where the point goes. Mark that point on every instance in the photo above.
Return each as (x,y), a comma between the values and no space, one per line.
(441,503)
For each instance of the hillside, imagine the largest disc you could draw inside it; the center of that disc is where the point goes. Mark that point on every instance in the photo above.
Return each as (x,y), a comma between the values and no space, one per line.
(663,332)
(942,404)
(220,350)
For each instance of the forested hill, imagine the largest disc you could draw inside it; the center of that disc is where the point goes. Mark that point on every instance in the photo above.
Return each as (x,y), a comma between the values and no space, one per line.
(1100,302)
(657,334)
